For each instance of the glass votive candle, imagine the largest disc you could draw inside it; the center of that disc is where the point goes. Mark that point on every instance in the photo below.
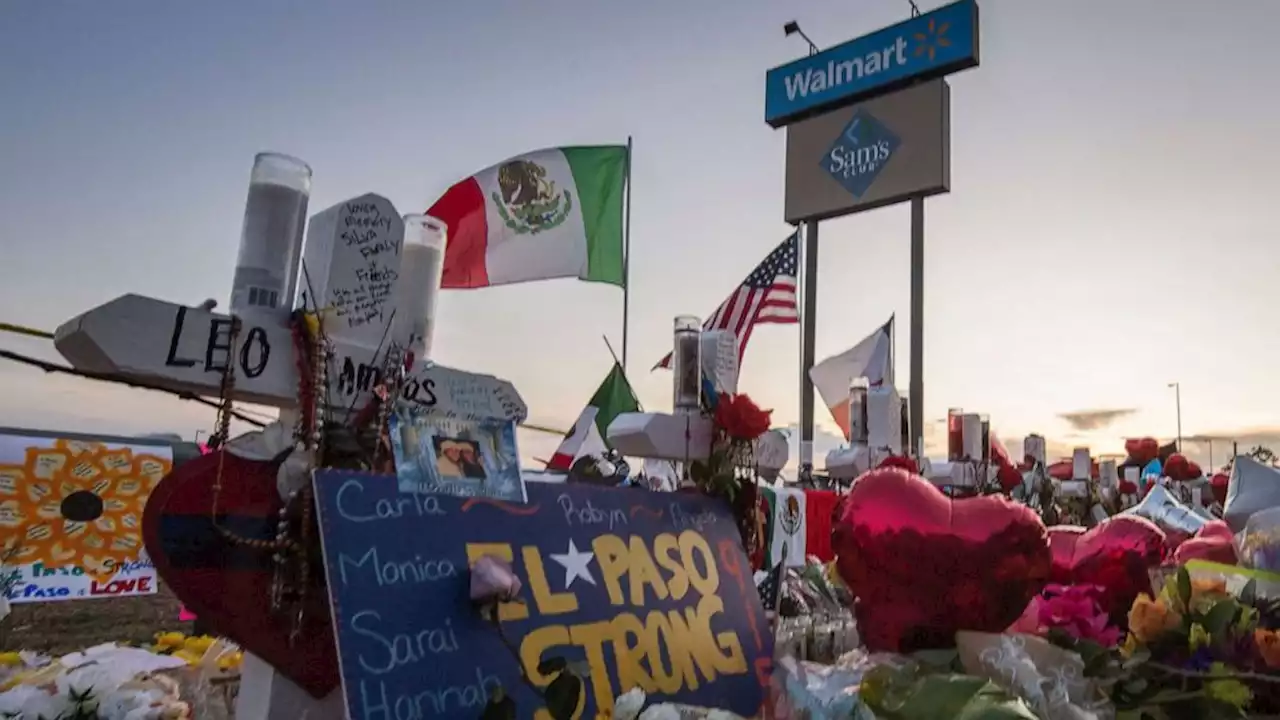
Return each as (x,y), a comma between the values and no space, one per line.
(858,430)
(686,364)
(955,434)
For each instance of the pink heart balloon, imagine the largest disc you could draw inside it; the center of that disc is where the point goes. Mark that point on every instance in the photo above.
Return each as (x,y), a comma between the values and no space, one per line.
(1214,543)
(1116,554)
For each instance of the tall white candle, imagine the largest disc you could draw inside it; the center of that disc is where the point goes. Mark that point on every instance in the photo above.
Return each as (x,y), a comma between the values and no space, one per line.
(418,286)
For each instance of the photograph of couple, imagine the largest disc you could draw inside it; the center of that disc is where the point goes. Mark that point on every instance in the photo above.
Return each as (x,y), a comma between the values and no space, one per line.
(458,458)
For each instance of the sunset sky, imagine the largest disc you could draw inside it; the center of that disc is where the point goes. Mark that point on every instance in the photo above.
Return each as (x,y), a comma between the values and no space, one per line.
(1109,228)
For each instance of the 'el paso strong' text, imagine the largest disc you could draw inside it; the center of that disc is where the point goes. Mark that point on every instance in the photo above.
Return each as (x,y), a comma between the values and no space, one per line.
(678,568)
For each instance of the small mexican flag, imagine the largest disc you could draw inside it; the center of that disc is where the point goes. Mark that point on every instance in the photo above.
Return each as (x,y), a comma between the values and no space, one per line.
(548,214)
(587,437)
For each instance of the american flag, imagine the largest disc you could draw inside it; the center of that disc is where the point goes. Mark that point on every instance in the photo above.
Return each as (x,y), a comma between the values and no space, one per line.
(768,295)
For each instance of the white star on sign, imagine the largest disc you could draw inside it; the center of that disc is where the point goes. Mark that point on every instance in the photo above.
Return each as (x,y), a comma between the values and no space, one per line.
(575,565)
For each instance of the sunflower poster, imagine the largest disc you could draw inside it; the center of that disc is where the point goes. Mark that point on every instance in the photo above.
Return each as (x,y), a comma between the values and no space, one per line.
(71,517)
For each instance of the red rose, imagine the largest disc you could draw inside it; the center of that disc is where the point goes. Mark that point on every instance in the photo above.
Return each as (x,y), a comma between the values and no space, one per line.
(903,462)
(740,418)
(1009,477)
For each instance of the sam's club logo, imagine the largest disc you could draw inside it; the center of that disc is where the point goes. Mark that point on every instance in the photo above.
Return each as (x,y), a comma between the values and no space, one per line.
(860,153)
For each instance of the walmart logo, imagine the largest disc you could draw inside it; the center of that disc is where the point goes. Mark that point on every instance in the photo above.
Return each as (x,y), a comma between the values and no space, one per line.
(860,153)
(933,37)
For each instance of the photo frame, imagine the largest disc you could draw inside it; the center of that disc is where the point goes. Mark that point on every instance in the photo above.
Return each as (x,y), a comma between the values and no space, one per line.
(452,456)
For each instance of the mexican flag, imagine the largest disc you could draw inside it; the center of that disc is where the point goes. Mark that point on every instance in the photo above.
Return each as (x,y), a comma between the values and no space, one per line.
(549,214)
(587,437)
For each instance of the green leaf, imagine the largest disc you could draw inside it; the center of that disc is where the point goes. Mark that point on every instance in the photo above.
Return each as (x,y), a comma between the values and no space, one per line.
(936,659)
(1061,638)
(552,665)
(1139,656)
(1249,593)
(1219,617)
(1184,587)
(562,696)
(962,697)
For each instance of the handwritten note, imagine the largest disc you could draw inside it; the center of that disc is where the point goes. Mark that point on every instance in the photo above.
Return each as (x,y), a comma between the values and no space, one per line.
(353,262)
(719,350)
(639,589)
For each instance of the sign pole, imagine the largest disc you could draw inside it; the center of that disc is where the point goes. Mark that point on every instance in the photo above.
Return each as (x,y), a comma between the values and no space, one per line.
(917,325)
(809,317)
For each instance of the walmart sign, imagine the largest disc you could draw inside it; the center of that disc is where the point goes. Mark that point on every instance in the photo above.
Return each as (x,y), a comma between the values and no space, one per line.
(925,47)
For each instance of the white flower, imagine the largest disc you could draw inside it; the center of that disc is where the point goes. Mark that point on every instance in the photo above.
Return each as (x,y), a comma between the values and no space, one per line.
(628,705)
(94,678)
(126,704)
(25,701)
(13,701)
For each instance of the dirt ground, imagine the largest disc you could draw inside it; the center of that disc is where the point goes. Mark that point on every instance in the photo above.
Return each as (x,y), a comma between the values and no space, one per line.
(60,627)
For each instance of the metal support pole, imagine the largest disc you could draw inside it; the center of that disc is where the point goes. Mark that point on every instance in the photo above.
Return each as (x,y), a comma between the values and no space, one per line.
(1177,394)
(917,325)
(808,318)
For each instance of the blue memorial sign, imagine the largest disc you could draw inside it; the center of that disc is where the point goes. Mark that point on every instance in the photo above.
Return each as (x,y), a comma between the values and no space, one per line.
(929,46)
(629,588)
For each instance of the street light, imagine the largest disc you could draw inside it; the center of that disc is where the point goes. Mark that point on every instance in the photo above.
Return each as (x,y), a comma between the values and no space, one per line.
(793,28)
(1177,394)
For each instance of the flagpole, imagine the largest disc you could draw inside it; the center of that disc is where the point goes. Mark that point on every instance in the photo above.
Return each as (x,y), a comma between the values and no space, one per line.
(626,261)
(625,379)
(893,355)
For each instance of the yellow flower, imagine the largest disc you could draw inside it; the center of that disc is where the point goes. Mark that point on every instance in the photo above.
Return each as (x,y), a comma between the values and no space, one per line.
(170,639)
(10,659)
(1130,646)
(1232,692)
(230,661)
(189,656)
(198,644)
(1268,642)
(1149,618)
(1199,637)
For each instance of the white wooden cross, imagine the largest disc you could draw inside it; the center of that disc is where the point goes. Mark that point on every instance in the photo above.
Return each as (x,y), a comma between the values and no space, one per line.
(688,437)
(185,349)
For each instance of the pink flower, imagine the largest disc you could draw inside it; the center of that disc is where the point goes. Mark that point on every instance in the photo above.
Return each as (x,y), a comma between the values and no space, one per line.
(493,580)
(1074,609)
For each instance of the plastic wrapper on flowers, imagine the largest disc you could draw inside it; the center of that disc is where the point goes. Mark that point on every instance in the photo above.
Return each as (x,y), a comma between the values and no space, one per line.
(115,683)
(1049,679)
(632,705)
(813,691)
(812,590)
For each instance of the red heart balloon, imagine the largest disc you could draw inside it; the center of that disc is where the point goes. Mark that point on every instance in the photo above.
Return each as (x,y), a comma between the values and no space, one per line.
(1117,554)
(228,585)
(1218,484)
(1214,542)
(1177,467)
(923,565)
(1142,450)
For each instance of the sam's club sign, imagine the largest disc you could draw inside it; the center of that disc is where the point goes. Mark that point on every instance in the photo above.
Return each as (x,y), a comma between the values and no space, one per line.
(925,47)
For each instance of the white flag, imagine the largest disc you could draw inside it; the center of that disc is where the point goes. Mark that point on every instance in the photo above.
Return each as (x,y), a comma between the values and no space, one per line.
(869,359)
